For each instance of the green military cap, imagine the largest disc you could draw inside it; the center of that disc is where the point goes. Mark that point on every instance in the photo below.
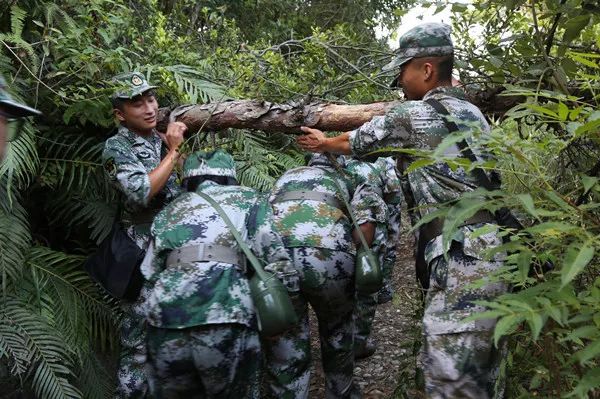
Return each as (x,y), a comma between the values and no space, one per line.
(213,163)
(131,84)
(426,40)
(12,108)
(327,159)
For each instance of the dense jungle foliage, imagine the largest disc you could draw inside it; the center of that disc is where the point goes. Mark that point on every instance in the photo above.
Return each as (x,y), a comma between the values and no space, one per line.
(539,67)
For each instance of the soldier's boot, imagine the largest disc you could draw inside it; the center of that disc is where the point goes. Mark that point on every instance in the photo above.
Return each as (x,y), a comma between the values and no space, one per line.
(385,294)
(364,349)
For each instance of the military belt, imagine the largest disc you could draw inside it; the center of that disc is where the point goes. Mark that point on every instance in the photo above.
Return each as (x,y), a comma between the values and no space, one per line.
(329,199)
(207,253)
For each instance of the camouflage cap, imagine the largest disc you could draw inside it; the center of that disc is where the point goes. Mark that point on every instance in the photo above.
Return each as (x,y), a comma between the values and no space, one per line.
(426,40)
(12,108)
(130,84)
(213,163)
(327,159)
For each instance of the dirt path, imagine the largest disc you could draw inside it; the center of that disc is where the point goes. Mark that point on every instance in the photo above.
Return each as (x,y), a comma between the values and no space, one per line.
(389,373)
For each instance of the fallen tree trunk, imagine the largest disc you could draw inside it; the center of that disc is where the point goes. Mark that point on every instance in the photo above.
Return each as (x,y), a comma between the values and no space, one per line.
(270,117)
(287,118)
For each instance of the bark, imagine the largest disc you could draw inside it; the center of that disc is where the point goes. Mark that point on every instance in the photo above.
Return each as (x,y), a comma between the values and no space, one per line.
(287,118)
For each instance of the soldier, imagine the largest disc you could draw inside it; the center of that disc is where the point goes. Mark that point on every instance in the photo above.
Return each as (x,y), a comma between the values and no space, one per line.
(202,334)
(139,161)
(459,358)
(393,198)
(366,304)
(10,110)
(312,218)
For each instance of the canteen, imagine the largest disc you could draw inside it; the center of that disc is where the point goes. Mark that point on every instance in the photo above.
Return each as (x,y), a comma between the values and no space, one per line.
(368,275)
(273,305)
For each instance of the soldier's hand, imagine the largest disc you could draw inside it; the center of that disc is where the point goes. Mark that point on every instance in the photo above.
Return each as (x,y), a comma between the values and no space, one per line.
(313,140)
(174,135)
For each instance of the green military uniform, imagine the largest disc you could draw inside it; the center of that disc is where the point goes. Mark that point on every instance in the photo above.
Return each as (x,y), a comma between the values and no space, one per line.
(459,358)
(128,159)
(318,235)
(202,336)
(366,304)
(393,197)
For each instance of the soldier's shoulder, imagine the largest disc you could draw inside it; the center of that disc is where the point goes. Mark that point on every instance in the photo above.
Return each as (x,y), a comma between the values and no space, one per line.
(116,143)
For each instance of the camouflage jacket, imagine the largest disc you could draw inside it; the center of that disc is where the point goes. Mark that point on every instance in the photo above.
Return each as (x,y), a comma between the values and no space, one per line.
(128,159)
(413,124)
(308,223)
(197,293)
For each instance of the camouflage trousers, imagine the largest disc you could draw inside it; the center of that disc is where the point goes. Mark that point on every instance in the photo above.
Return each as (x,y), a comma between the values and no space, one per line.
(364,314)
(211,361)
(389,248)
(327,284)
(459,358)
(132,382)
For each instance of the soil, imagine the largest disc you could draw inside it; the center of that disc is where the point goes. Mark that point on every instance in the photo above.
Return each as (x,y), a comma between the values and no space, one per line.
(390,372)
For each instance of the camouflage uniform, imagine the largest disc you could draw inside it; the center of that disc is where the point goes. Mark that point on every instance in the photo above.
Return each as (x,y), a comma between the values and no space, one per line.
(318,237)
(366,304)
(202,336)
(393,197)
(128,158)
(459,359)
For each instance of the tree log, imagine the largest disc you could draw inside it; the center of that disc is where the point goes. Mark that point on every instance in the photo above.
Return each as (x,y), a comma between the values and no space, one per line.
(287,118)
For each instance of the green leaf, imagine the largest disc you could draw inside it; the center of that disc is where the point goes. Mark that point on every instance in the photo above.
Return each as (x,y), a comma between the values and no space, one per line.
(563,111)
(506,325)
(577,257)
(553,229)
(524,264)
(574,26)
(527,202)
(589,352)
(588,182)
(457,215)
(536,321)
(589,382)
(420,163)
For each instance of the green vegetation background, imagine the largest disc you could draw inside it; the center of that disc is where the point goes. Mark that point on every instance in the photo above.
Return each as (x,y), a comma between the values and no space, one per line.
(58,335)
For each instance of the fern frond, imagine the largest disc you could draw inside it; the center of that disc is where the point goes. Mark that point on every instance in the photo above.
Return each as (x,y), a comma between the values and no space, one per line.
(17,20)
(53,11)
(194,85)
(15,238)
(17,41)
(95,381)
(72,290)
(49,359)
(20,163)
(70,160)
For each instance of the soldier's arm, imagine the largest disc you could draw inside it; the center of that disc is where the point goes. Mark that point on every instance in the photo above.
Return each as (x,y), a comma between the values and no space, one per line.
(126,172)
(315,141)
(267,243)
(369,209)
(160,175)
(391,130)
(368,231)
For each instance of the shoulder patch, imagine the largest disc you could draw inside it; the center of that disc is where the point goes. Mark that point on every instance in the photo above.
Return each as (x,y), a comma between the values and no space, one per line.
(110,167)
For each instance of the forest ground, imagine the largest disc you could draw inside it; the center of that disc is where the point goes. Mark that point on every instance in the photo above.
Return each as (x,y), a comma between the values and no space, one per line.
(389,373)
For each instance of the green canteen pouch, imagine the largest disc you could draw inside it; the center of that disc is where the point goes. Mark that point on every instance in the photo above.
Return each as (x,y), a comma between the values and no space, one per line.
(273,305)
(368,275)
